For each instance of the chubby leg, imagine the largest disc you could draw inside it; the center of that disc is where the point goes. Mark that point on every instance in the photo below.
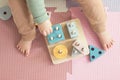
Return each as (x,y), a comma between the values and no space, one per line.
(24,23)
(94,11)
(38,10)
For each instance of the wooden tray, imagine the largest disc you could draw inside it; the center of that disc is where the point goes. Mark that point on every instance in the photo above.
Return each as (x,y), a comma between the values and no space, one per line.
(68,42)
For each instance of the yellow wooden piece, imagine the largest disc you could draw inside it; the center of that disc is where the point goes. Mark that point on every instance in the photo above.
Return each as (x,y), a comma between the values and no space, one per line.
(60,51)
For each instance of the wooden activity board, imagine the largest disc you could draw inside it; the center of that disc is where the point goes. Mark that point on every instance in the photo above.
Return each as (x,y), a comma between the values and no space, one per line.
(67,41)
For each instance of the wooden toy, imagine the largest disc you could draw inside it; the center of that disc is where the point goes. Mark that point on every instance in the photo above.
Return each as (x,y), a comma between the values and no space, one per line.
(80,47)
(62,50)
(95,52)
(57,34)
(72,29)
(5,12)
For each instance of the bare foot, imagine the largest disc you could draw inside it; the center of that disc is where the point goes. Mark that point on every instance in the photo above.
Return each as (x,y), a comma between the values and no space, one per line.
(45,28)
(106,40)
(24,47)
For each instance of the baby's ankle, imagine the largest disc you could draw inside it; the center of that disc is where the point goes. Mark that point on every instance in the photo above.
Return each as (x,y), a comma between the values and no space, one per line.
(26,40)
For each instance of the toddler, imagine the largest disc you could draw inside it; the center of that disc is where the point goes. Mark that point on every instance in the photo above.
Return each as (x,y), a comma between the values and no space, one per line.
(27,13)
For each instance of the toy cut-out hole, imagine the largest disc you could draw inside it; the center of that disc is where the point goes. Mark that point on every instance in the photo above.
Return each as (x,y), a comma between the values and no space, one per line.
(60,51)
(70,24)
(75,52)
(57,28)
(92,49)
(59,35)
(4,12)
(83,49)
(93,57)
(77,44)
(100,52)
(73,32)
(51,38)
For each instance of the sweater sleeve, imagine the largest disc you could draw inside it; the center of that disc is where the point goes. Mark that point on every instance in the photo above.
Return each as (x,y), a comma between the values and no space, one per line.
(37,8)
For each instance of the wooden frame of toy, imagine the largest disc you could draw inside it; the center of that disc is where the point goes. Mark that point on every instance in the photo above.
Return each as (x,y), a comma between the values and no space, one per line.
(67,41)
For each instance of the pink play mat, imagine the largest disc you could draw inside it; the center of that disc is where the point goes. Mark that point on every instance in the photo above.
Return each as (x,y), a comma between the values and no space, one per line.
(38,66)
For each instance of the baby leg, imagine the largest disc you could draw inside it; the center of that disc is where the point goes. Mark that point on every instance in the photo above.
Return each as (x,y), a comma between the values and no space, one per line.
(24,23)
(38,10)
(95,13)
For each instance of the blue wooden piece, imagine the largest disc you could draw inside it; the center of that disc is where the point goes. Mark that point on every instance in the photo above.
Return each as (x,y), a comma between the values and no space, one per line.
(57,34)
(95,52)
(5,13)
(72,29)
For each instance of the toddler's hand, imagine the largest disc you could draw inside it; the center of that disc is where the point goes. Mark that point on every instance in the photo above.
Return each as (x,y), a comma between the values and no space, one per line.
(45,28)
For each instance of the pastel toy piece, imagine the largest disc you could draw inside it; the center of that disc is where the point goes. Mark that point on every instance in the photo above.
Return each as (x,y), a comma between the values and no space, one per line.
(79,46)
(75,52)
(95,52)
(60,5)
(60,51)
(71,26)
(5,13)
(57,34)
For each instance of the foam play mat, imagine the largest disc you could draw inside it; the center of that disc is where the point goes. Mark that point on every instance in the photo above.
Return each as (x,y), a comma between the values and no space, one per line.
(39,65)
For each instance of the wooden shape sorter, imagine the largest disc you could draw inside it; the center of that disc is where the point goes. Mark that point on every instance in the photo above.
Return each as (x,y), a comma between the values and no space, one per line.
(61,45)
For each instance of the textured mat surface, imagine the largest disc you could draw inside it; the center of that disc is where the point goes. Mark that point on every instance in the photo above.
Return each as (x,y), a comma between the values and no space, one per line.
(112,5)
(37,66)
(107,67)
